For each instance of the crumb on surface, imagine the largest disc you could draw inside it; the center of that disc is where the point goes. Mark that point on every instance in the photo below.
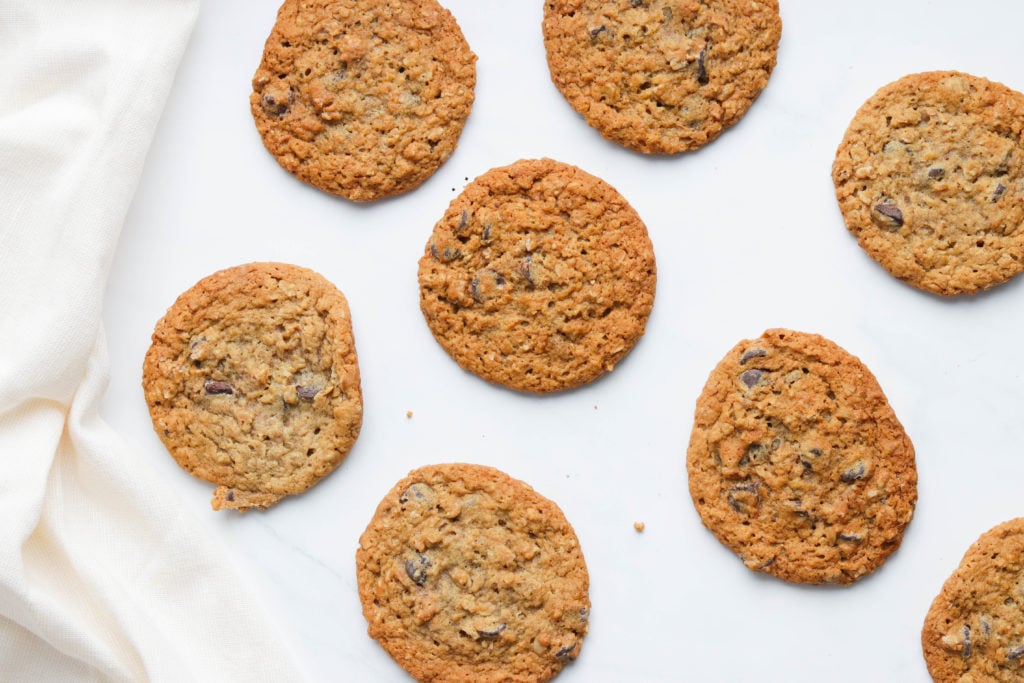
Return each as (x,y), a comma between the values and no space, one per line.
(639,526)
(595,407)
(408,414)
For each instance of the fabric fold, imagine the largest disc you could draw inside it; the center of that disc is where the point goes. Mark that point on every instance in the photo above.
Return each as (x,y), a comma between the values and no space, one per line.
(102,577)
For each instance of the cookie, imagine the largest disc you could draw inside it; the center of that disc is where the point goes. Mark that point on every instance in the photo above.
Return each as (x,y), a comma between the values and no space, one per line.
(252,382)
(797,462)
(363,98)
(661,76)
(466,574)
(539,277)
(930,179)
(974,630)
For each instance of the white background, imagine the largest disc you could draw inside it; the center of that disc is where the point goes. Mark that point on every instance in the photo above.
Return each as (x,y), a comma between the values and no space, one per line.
(747,236)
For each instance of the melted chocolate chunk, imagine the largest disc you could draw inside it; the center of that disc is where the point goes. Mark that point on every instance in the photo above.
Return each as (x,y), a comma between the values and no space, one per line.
(566,651)
(752,353)
(855,473)
(892,212)
(936,173)
(493,632)
(702,67)
(751,377)
(595,32)
(417,569)
(307,393)
(214,387)
(1000,189)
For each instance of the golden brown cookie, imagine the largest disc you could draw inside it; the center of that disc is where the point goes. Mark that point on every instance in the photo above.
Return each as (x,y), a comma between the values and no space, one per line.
(363,98)
(661,76)
(930,179)
(252,382)
(974,630)
(466,574)
(539,277)
(797,463)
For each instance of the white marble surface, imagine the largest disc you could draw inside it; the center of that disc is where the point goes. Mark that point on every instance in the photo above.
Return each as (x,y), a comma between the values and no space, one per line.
(747,236)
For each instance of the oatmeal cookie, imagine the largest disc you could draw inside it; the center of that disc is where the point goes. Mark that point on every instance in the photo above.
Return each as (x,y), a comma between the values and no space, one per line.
(797,462)
(363,98)
(252,382)
(466,574)
(930,179)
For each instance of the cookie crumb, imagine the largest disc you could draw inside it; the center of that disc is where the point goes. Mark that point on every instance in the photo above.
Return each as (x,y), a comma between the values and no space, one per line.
(408,414)
(595,407)
(639,526)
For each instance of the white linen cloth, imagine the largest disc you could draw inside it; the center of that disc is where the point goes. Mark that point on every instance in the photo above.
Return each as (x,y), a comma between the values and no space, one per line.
(101,576)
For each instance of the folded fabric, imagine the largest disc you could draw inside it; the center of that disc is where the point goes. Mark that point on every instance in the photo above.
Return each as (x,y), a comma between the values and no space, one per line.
(102,577)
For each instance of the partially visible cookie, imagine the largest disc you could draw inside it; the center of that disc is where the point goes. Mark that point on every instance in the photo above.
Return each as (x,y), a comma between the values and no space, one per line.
(661,76)
(539,277)
(797,462)
(974,630)
(363,98)
(466,574)
(930,179)
(252,382)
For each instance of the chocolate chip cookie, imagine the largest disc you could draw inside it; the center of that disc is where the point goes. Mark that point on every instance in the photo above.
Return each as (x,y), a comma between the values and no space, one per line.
(974,630)
(661,76)
(930,179)
(797,462)
(466,574)
(252,382)
(539,277)
(363,98)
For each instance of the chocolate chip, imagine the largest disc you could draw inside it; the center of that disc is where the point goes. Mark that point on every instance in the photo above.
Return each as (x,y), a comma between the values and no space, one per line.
(849,538)
(277,104)
(464,221)
(484,277)
(751,377)
(448,254)
(816,452)
(417,569)
(752,353)
(702,68)
(855,473)
(1000,189)
(416,491)
(737,501)
(566,651)
(595,32)
(492,632)
(636,3)
(230,496)
(214,387)
(966,652)
(307,393)
(936,173)
(486,237)
(1015,654)
(892,212)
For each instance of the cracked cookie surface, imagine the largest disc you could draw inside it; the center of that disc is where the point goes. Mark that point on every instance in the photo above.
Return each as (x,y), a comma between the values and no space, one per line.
(930,179)
(539,277)
(974,630)
(661,76)
(252,382)
(797,462)
(466,574)
(363,98)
